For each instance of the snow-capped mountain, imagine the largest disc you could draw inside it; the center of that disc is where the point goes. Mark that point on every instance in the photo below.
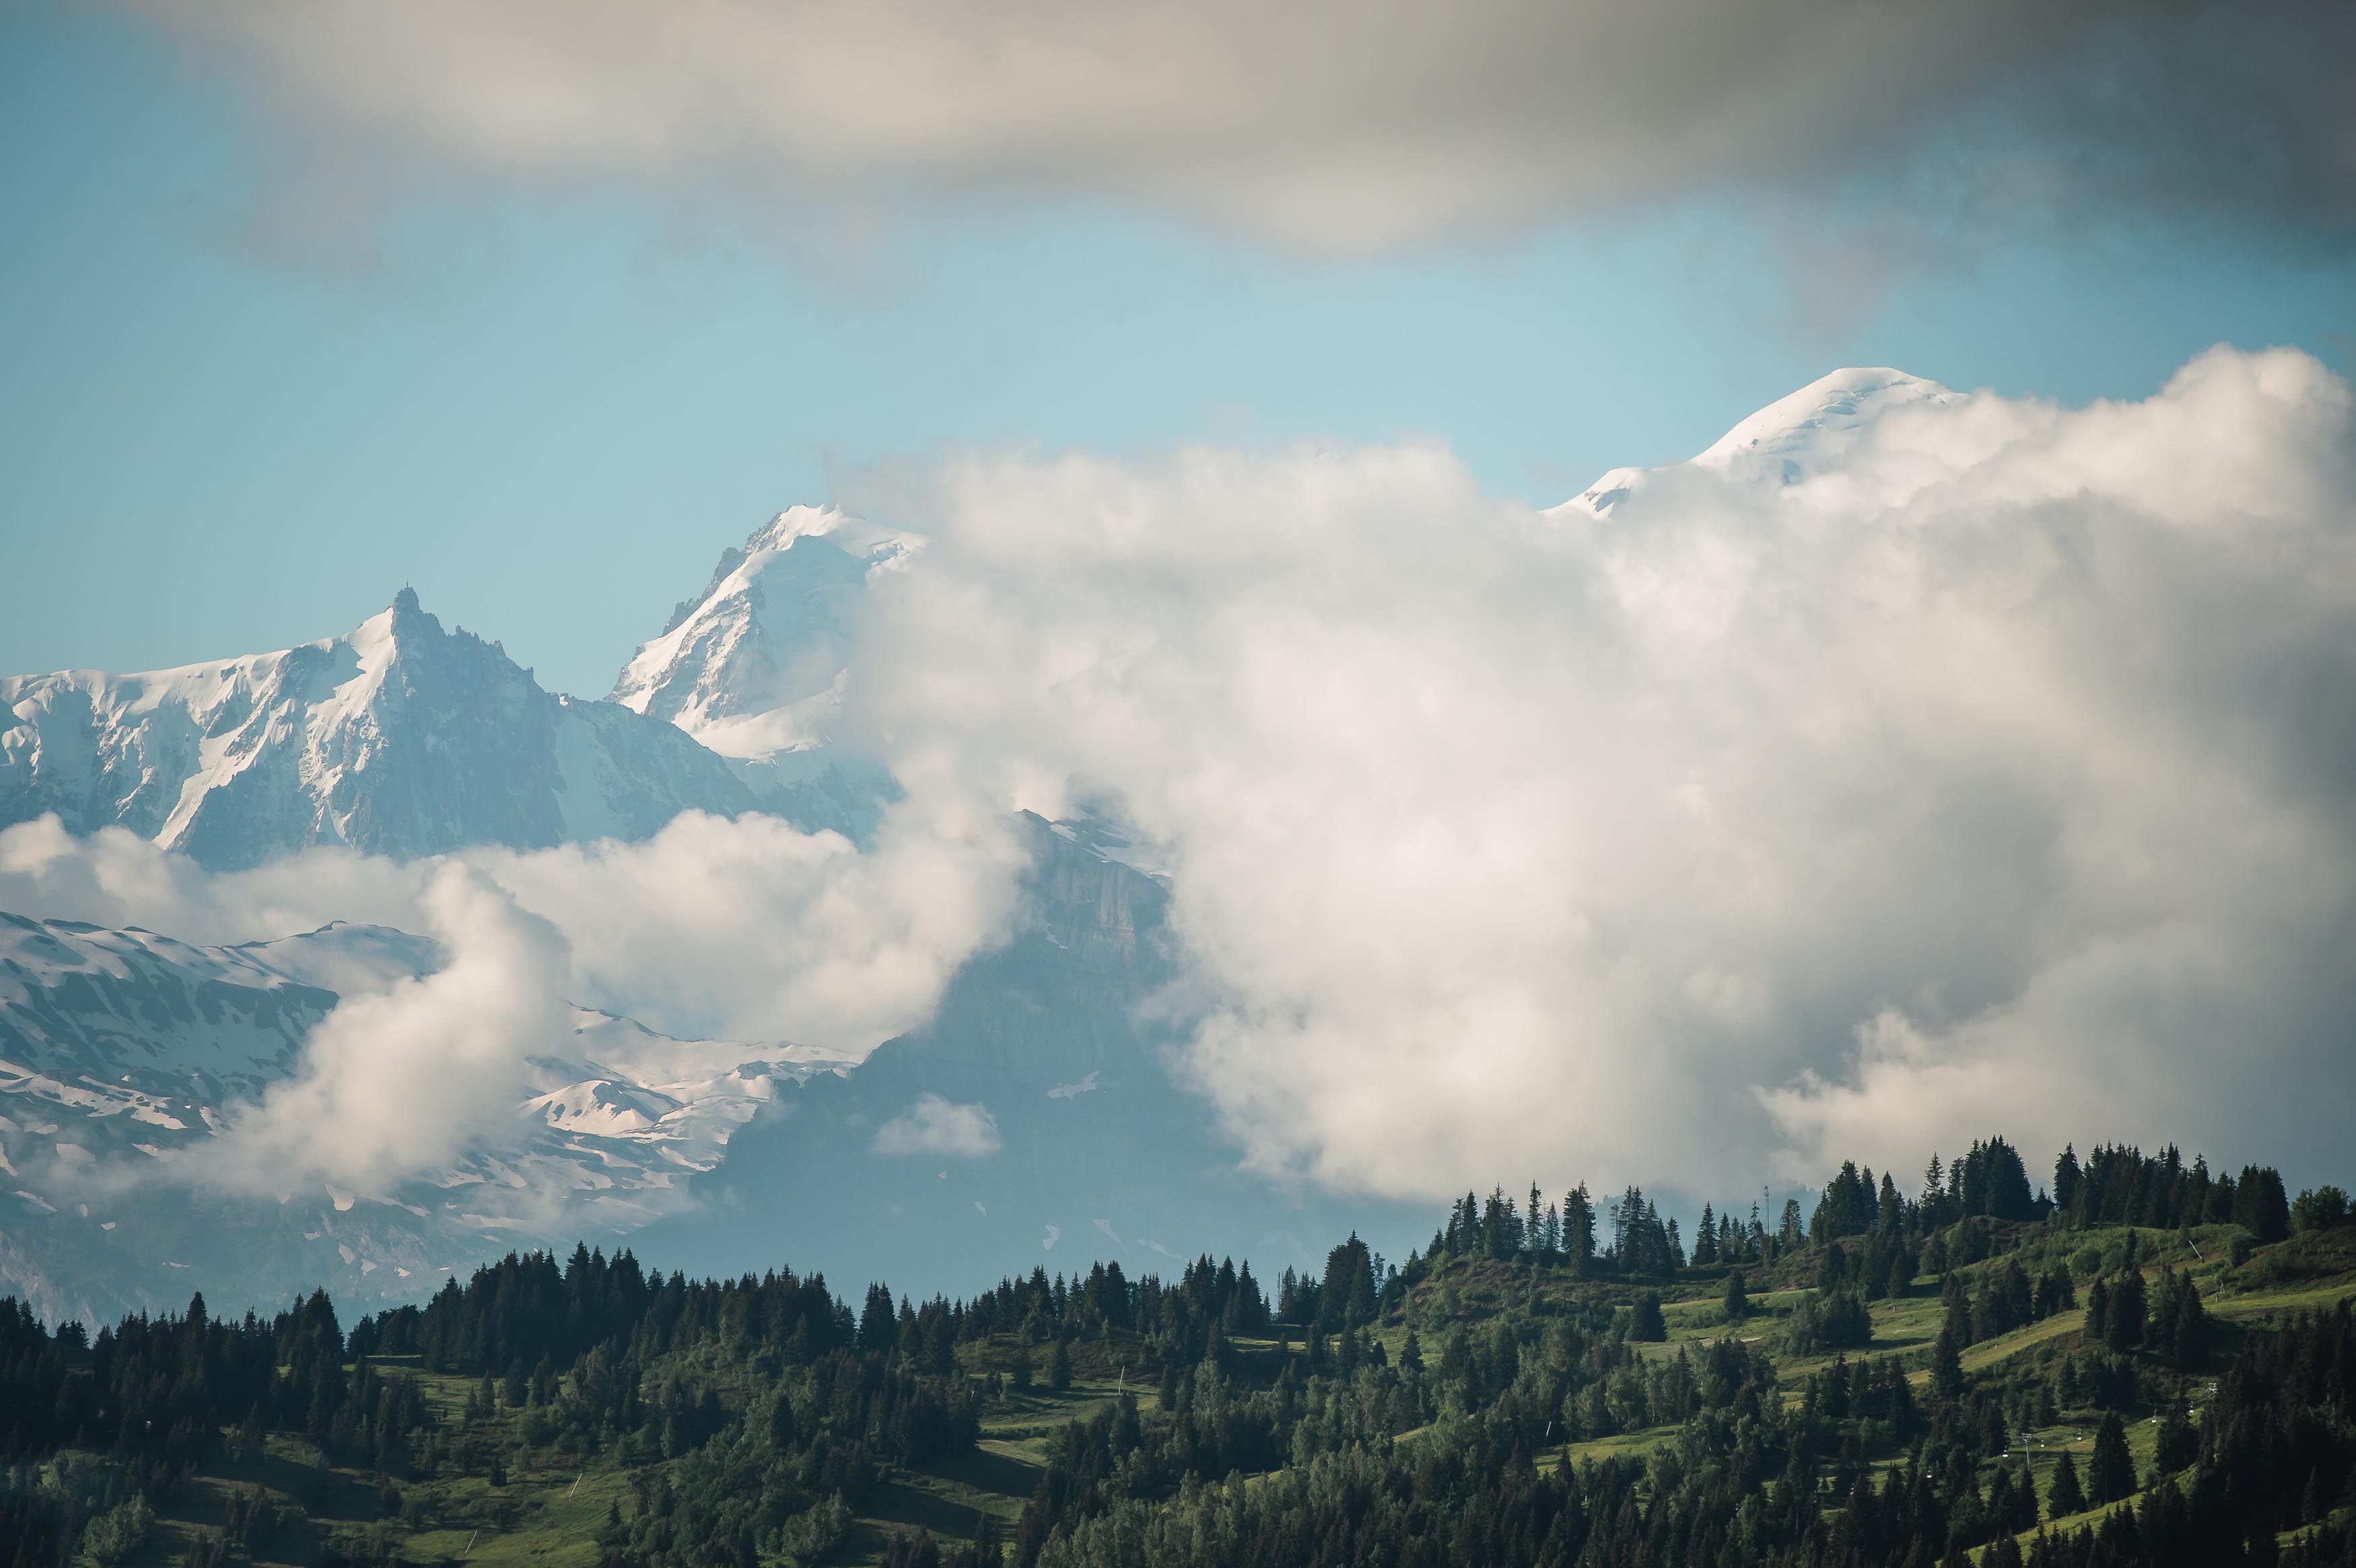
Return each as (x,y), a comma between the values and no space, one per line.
(397,738)
(120,1050)
(753,667)
(1811,432)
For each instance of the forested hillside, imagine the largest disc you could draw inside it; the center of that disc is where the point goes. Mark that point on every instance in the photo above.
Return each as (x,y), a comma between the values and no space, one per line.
(2139,1362)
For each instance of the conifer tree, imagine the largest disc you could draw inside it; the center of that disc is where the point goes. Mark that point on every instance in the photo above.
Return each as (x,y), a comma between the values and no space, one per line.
(1649,1324)
(1947,1365)
(2123,1330)
(1957,1308)
(1738,1299)
(2065,1496)
(1579,1227)
(1059,1368)
(2111,1476)
(2178,1444)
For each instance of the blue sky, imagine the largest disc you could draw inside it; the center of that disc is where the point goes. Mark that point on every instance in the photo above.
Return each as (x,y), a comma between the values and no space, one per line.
(549,404)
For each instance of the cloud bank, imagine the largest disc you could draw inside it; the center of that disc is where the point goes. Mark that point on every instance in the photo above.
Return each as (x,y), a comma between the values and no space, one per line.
(1351,126)
(1911,765)
(744,930)
(1914,765)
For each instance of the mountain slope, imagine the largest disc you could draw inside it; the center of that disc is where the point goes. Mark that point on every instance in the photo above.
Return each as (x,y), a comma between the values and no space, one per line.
(395,739)
(120,1050)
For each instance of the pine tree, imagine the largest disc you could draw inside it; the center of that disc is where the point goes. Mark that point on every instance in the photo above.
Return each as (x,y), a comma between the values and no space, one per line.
(1705,1247)
(2111,1474)
(2123,1330)
(1059,1368)
(2066,1180)
(2178,1444)
(1947,1365)
(1648,1323)
(2065,1496)
(1738,1299)
(1957,1308)
(1579,1227)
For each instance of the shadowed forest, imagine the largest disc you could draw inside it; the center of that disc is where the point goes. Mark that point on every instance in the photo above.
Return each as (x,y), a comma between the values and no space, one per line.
(2138,1362)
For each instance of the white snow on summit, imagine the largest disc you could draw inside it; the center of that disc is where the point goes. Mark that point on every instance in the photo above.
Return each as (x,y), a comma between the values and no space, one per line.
(1807,433)
(754,666)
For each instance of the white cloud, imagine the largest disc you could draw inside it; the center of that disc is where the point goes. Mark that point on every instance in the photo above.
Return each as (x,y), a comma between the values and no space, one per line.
(1341,125)
(937,1126)
(1980,766)
(744,930)
(2014,741)
(408,1079)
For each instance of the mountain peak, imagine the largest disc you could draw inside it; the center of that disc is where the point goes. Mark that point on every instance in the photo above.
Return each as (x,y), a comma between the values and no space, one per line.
(1822,417)
(1801,433)
(397,738)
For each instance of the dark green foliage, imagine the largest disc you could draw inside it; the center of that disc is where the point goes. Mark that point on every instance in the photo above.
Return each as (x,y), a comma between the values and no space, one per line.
(2122,1186)
(1991,1179)
(2180,1444)
(2110,1476)
(2119,1322)
(1831,1320)
(2260,1206)
(2318,1208)
(1947,1365)
(2066,1495)
(2004,1302)
(752,1416)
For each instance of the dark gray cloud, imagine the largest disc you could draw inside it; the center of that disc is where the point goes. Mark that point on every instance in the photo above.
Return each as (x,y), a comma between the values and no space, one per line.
(1336,126)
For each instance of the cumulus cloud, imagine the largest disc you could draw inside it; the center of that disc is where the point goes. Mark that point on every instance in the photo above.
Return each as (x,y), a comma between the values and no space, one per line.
(1336,125)
(744,930)
(407,1078)
(1916,765)
(937,1126)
